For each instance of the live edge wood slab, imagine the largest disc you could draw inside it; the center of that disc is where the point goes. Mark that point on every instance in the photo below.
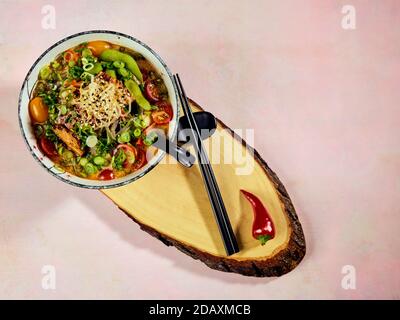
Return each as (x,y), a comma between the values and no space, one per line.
(171,204)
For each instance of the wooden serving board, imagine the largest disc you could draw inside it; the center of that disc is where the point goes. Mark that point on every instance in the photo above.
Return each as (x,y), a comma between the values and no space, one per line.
(171,204)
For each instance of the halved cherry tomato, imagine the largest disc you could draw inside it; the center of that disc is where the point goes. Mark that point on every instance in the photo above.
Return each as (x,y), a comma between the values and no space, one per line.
(151,91)
(130,152)
(97,47)
(38,110)
(106,174)
(141,159)
(161,117)
(71,55)
(47,147)
(165,106)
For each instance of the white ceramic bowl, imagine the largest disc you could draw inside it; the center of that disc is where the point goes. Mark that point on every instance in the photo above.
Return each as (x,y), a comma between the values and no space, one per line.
(47,57)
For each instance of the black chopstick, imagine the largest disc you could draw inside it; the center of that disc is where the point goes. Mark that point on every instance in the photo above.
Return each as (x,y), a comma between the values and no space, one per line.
(214,194)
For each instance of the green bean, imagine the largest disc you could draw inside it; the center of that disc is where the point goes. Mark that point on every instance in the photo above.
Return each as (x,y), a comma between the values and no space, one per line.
(134,89)
(111,55)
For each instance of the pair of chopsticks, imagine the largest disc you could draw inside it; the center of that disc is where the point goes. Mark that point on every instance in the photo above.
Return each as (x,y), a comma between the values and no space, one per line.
(217,204)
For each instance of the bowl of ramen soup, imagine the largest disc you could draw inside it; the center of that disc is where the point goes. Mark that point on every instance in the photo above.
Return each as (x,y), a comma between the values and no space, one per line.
(90,106)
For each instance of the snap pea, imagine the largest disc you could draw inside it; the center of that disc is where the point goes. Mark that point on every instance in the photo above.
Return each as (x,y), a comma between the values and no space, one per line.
(111,55)
(96,68)
(137,94)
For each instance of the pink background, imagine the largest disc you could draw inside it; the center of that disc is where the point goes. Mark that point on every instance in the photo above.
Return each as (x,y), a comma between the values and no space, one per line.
(324,102)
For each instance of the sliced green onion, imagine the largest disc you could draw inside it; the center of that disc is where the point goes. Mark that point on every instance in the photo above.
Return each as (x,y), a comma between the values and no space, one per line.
(123,72)
(124,137)
(63,109)
(137,132)
(86,53)
(88,66)
(91,141)
(118,64)
(45,72)
(83,162)
(150,139)
(137,122)
(99,161)
(90,168)
(111,73)
(67,155)
(71,63)
(87,76)
(85,61)
(145,121)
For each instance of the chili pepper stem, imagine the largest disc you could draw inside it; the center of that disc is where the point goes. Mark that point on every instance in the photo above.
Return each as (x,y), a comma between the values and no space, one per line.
(264,238)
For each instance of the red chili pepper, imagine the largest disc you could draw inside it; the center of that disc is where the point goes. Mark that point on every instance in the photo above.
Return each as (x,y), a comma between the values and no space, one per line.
(263,227)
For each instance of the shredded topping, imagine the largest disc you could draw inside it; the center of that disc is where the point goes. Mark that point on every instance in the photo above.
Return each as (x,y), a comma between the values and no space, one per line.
(101,102)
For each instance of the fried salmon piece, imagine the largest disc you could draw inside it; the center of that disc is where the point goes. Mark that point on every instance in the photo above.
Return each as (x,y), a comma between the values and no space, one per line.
(69,139)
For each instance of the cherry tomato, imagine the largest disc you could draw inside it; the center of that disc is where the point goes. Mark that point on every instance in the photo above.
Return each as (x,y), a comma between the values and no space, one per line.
(47,147)
(130,152)
(151,91)
(141,160)
(161,117)
(165,106)
(38,110)
(106,174)
(97,47)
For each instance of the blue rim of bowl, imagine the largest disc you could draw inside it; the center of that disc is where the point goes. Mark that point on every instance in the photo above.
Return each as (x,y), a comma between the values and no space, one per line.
(25,83)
